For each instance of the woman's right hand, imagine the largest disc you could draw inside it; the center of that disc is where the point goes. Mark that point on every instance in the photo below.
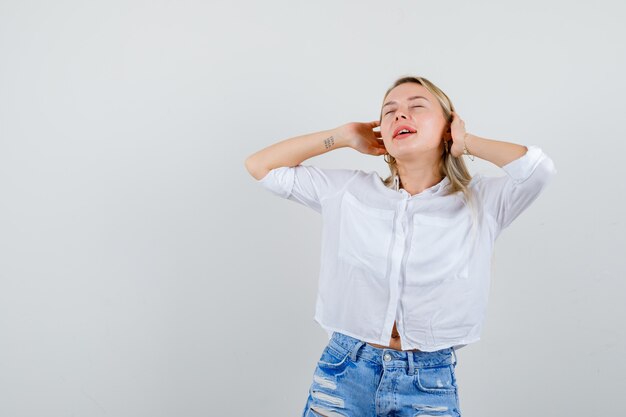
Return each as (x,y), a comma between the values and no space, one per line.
(363,138)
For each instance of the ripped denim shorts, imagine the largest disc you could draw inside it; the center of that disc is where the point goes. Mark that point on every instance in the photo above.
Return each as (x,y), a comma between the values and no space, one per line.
(355,379)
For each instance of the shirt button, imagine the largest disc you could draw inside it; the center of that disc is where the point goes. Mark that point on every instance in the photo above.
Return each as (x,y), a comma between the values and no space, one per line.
(387,357)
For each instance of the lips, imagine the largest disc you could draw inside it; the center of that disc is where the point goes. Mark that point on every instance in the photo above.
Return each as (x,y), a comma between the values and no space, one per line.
(402,127)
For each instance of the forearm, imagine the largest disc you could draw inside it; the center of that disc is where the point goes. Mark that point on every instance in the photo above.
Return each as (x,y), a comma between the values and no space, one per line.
(293,151)
(494,151)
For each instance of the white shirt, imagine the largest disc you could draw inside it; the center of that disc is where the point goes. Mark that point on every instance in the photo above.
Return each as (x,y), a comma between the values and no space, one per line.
(388,256)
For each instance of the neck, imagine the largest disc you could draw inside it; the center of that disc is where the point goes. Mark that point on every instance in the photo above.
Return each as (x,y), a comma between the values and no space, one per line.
(415,178)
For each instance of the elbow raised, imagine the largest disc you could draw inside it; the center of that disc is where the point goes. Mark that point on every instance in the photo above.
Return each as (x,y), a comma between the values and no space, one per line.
(258,172)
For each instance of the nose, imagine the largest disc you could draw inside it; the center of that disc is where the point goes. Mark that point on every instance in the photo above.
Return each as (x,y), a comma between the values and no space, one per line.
(399,114)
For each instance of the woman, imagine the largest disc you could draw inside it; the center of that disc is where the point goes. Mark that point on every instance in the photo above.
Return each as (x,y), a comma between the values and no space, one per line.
(405,263)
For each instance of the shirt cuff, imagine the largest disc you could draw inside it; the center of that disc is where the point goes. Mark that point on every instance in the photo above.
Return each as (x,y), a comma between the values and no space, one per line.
(521,168)
(279,181)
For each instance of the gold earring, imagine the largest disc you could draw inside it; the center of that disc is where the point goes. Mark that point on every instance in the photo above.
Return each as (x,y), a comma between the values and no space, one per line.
(393,161)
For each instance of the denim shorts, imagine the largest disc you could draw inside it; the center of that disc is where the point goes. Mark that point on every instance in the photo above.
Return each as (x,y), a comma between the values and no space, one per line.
(355,379)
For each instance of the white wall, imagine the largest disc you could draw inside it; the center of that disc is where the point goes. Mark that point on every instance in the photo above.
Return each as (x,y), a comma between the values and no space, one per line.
(143,272)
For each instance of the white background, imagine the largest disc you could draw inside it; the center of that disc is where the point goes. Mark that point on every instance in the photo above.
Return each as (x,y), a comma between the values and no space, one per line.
(143,272)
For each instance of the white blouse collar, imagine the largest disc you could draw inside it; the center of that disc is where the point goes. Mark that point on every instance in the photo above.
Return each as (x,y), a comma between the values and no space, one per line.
(435,188)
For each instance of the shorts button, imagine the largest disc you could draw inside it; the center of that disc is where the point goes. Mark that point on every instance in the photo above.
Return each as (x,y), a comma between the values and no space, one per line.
(387,357)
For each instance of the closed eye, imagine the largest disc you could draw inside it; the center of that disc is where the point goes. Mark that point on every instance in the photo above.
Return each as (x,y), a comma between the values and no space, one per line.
(391,111)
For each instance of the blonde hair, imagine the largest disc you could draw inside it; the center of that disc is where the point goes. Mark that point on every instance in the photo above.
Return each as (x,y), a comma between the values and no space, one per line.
(452,167)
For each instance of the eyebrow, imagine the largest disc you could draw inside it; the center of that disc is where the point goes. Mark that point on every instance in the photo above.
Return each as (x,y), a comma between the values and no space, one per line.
(410,98)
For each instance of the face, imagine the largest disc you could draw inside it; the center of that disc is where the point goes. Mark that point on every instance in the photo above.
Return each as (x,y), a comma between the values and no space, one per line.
(422,115)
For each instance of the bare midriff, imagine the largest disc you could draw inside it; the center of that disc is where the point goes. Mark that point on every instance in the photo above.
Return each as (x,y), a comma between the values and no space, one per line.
(394,342)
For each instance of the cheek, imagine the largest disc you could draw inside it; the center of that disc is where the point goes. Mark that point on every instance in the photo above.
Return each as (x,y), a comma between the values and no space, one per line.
(385,130)
(432,126)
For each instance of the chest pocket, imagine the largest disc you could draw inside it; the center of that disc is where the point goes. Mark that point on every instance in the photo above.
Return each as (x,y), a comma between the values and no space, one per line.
(365,235)
(438,250)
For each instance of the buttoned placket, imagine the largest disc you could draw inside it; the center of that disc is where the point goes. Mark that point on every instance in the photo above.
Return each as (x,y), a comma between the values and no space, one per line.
(398,253)
(406,237)
(402,235)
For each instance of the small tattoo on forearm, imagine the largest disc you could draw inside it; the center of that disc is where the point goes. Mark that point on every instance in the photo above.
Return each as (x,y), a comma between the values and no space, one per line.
(329,142)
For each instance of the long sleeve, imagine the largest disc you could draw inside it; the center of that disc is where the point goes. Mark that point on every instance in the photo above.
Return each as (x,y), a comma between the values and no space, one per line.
(305,184)
(506,197)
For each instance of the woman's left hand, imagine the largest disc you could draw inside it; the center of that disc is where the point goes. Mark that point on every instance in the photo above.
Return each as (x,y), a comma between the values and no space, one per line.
(457,133)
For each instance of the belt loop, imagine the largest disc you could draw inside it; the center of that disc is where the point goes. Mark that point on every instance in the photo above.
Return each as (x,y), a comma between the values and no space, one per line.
(454,354)
(409,357)
(355,349)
